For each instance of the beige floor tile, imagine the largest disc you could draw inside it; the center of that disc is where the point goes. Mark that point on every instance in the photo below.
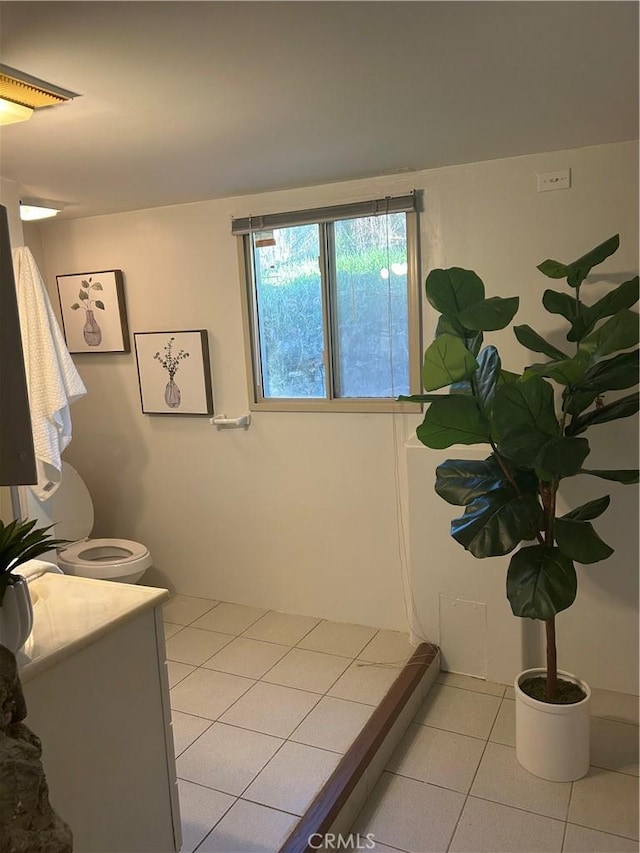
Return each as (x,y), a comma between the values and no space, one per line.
(226,758)
(337,638)
(186,729)
(200,809)
(307,670)
(292,778)
(392,647)
(614,746)
(410,815)
(500,778)
(206,693)
(229,618)
(491,828)
(468,682)
(365,683)
(249,827)
(282,628)
(504,728)
(461,711)
(271,709)
(509,692)
(177,671)
(170,629)
(606,801)
(333,724)
(622,707)
(249,658)
(194,646)
(441,758)
(184,609)
(581,840)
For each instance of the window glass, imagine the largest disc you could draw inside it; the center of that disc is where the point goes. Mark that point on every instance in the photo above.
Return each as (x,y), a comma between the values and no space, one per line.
(371,346)
(288,288)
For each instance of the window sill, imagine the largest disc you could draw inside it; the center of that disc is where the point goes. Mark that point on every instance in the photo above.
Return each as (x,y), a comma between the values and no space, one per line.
(341,405)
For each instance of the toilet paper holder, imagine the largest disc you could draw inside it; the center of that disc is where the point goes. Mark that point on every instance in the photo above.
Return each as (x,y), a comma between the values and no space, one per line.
(222,421)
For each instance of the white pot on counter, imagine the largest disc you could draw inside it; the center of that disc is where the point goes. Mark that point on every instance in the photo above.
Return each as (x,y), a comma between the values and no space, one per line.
(552,741)
(16,614)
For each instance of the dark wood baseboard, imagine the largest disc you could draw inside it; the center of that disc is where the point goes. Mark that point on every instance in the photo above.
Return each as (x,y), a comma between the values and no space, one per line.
(333,796)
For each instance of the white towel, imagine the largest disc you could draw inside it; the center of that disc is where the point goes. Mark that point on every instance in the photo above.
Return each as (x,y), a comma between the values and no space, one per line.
(53,382)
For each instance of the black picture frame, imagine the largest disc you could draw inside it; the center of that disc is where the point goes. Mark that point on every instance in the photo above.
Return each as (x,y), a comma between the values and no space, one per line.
(93,310)
(174,372)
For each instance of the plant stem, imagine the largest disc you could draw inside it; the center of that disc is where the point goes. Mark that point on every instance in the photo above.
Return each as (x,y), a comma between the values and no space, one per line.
(552,663)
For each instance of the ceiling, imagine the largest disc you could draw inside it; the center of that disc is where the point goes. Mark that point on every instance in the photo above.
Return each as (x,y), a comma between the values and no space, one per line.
(184,101)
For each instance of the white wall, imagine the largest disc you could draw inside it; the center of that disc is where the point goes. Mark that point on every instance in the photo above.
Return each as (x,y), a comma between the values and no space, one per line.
(299,512)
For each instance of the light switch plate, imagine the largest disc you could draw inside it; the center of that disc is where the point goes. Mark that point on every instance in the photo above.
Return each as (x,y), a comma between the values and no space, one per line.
(560,180)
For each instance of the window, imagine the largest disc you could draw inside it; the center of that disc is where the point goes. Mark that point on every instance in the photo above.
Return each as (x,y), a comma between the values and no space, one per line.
(332,306)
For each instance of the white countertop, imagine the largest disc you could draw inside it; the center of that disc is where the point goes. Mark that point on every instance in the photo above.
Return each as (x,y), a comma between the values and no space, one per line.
(71,612)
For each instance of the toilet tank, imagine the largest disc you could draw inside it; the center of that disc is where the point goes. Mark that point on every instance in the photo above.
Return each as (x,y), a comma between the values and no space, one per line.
(70,507)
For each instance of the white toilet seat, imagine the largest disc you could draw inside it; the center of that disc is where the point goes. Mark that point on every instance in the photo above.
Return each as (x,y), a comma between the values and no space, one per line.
(104,558)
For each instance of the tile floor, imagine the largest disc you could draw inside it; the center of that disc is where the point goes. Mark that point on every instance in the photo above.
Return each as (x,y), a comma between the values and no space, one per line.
(454,784)
(263,705)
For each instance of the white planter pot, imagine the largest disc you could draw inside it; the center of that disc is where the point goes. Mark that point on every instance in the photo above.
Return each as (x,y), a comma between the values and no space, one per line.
(552,741)
(16,615)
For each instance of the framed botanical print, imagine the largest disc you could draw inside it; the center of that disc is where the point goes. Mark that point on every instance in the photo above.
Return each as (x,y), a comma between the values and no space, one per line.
(94,316)
(174,372)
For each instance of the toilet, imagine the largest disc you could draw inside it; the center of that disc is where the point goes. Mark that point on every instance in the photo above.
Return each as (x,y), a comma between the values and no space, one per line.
(71,509)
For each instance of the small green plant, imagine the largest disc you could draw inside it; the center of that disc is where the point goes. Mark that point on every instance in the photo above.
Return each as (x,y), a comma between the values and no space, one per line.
(510,497)
(170,360)
(86,301)
(19,542)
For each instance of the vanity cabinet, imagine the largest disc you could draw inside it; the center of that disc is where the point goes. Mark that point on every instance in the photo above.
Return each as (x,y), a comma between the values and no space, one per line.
(95,682)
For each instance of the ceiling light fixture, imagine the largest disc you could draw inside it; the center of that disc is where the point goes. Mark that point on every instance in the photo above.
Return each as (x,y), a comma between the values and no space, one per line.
(21,94)
(32,209)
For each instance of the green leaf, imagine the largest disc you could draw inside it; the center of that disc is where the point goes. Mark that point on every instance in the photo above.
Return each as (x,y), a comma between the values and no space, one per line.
(487,375)
(75,306)
(622,297)
(495,523)
(619,332)
(97,286)
(560,303)
(83,295)
(580,542)
(99,304)
(85,284)
(461,481)
(628,476)
(578,270)
(567,371)
(589,511)
(576,402)
(472,340)
(489,315)
(524,419)
(541,582)
(453,289)
(446,360)
(623,408)
(612,374)
(453,420)
(562,457)
(535,342)
(553,269)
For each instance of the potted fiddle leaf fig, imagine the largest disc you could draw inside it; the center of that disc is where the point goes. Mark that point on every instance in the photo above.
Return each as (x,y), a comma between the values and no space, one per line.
(535,426)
